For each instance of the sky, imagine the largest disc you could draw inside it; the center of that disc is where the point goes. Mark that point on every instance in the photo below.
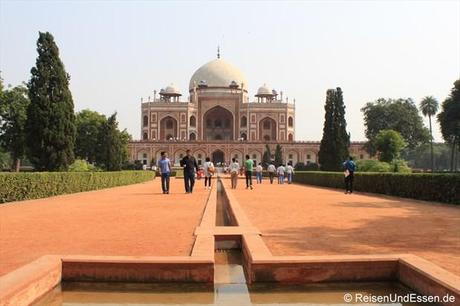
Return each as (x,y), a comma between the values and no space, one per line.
(119,51)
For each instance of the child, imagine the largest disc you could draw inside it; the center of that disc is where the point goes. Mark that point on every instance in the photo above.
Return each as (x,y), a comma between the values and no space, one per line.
(259,170)
(209,170)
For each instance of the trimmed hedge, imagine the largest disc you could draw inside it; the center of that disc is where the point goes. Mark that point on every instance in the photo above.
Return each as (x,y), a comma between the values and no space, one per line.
(34,185)
(174,173)
(429,187)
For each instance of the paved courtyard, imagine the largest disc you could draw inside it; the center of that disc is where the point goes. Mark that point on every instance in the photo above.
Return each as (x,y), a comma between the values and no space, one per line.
(129,220)
(303,220)
(138,220)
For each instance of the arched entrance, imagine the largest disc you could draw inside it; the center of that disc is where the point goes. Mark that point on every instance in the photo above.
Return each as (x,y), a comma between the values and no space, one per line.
(218,157)
(218,124)
(168,128)
(267,129)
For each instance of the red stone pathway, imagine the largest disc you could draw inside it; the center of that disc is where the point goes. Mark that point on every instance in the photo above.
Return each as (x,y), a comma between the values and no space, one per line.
(129,220)
(302,220)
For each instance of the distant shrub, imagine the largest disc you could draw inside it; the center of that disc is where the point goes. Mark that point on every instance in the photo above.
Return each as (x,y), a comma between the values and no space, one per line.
(34,185)
(429,187)
(300,166)
(312,167)
(136,165)
(80,165)
(372,165)
(400,166)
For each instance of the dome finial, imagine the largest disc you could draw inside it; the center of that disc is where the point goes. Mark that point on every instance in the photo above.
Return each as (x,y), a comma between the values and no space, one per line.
(218,51)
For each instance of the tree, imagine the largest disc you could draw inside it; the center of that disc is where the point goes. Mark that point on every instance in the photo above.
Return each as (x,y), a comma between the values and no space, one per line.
(50,123)
(125,138)
(449,119)
(5,160)
(88,124)
(13,113)
(420,157)
(278,155)
(340,127)
(389,144)
(335,141)
(429,107)
(112,145)
(267,157)
(400,115)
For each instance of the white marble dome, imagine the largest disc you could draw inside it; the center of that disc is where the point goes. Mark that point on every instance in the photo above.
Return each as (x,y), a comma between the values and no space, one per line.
(218,73)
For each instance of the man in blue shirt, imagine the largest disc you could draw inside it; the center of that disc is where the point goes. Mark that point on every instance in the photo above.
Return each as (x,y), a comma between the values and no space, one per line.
(350,168)
(164,164)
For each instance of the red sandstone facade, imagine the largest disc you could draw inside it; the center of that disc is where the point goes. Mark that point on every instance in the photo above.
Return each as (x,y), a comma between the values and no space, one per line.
(219,120)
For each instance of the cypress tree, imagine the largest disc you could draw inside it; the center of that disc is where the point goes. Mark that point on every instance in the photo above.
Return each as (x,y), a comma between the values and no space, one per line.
(278,155)
(334,144)
(50,126)
(328,146)
(267,157)
(340,125)
(111,151)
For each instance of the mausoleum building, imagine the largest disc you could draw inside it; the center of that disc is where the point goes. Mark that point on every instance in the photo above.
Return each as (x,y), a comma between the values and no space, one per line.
(218,118)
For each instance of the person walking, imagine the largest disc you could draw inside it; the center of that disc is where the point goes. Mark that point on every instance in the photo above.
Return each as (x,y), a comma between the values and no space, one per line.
(209,170)
(349,173)
(248,167)
(259,171)
(281,170)
(289,172)
(234,171)
(190,166)
(271,169)
(164,164)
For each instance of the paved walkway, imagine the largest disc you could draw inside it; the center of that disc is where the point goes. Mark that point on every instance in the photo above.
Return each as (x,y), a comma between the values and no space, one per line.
(138,220)
(302,220)
(129,220)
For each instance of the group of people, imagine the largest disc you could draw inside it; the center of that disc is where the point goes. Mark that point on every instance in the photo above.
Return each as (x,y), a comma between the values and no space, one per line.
(191,168)
(248,168)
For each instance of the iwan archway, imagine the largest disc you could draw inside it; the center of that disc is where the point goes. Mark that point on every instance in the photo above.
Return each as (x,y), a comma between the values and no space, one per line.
(218,124)
(218,157)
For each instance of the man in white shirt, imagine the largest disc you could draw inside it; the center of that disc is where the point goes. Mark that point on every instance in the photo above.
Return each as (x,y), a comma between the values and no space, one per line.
(234,170)
(271,172)
(289,172)
(281,171)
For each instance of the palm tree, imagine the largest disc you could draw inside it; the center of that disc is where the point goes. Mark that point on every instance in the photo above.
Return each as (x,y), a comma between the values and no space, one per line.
(429,107)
